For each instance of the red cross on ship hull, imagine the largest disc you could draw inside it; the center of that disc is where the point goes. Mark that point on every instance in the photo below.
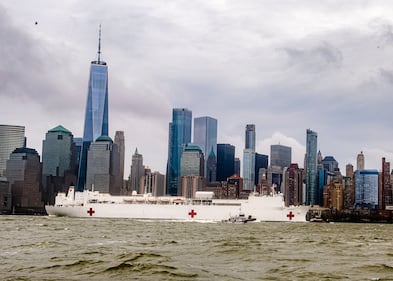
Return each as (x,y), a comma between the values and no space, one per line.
(90,211)
(290,215)
(192,213)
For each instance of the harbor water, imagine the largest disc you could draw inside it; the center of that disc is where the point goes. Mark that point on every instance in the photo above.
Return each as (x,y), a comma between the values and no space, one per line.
(60,248)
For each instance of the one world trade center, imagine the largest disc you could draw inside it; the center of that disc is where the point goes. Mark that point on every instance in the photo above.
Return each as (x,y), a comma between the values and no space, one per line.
(96,116)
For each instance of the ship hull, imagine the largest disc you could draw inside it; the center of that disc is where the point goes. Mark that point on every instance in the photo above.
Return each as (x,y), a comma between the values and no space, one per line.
(260,208)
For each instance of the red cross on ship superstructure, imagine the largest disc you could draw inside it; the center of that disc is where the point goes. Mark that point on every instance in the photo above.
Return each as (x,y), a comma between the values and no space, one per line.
(91,211)
(290,215)
(192,213)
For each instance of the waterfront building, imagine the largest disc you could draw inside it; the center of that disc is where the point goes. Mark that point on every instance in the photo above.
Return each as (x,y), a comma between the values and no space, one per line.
(234,188)
(280,155)
(274,177)
(137,171)
(5,196)
(386,186)
(205,136)
(293,191)
(11,137)
(249,158)
(211,169)
(261,162)
(153,183)
(225,161)
(58,172)
(190,184)
(23,172)
(312,197)
(348,193)
(100,174)
(179,137)
(96,115)
(248,169)
(366,188)
(333,196)
(360,161)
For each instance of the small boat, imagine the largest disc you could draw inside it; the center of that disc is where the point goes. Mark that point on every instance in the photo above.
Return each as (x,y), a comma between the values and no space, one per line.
(241,218)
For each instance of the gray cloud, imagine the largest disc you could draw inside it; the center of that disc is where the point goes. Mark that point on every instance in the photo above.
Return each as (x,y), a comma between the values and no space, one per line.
(285,67)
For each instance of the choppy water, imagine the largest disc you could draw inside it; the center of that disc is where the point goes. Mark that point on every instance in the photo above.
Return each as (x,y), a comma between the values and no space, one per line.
(51,248)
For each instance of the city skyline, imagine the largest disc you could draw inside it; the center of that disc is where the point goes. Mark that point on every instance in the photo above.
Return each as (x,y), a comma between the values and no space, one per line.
(234,61)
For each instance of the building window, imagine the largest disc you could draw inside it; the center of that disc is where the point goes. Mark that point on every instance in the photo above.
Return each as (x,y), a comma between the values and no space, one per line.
(5,201)
(59,137)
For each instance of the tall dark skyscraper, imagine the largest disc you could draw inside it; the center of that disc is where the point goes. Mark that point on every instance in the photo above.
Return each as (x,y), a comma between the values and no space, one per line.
(179,137)
(96,116)
(225,161)
(261,162)
(312,196)
(249,158)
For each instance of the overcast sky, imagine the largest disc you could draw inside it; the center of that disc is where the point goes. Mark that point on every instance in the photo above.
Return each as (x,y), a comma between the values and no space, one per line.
(284,66)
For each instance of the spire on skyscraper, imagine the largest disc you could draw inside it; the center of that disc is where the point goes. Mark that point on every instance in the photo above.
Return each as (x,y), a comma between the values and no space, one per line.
(99,45)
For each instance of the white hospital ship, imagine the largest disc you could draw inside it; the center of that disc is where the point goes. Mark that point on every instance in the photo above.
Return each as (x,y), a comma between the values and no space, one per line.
(202,208)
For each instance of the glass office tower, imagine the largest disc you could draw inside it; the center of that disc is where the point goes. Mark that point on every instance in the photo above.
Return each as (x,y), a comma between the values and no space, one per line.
(366,188)
(11,137)
(179,137)
(205,136)
(96,116)
(311,168)
(249,158)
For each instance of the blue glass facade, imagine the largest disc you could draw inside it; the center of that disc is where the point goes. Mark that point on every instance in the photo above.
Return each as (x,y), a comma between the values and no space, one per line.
(312,197)
(261,161)
(225,161)
(250,137)
(96,116)
(248,169)
(366,188)
(179,137)
(205,136)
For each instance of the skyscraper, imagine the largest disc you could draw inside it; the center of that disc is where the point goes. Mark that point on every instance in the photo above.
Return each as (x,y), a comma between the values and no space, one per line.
(179,137)
(120,143)
(249,158)
(360,161)
(312,197)
(386,186)
(11,137)
(24,175)
(205,136)
(261,162)
(211,169)
(250,137)
(366,188)
(280,155)
(330,164)
(225,161)
(58,162)
(192,161)
(100,172)
(57,152)
(137,171)
(96,116)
